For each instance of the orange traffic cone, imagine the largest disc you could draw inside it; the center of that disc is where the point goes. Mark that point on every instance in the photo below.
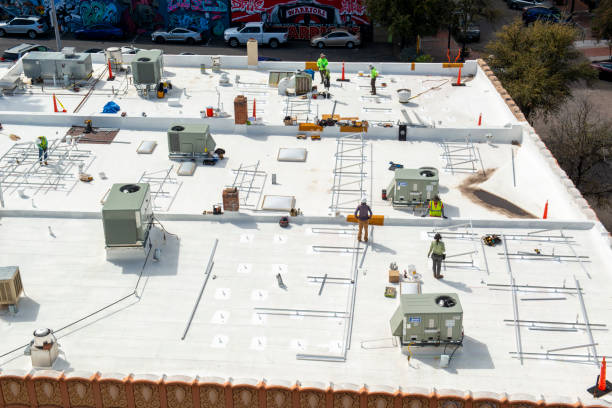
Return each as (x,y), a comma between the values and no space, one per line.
(480,119)
(458,83)
(602,387)
(54,104)
(254,109)
(343,79)
(545,215)
(110,72)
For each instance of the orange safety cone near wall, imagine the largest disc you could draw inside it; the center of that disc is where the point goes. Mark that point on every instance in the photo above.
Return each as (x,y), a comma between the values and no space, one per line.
(602,387)
(254,109)
(602,377)
(545,215)
(54,104)
(110,72)
(480,119)
(458,83)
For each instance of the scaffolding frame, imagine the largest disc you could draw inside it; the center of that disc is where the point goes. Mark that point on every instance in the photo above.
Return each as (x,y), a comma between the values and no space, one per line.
(300,108)
(20,167)
(461,157)
(244,181)
(157,180)
(349,172)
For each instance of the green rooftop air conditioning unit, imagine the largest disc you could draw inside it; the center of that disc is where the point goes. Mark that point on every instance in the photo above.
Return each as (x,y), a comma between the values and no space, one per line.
(190,139)
(127,215)
(428,319)
(148,67)
(413,186)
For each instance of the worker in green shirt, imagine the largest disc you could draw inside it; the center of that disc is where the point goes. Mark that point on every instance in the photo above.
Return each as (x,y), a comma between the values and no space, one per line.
(373,76)
(437,251)
(42,145)
(322,66)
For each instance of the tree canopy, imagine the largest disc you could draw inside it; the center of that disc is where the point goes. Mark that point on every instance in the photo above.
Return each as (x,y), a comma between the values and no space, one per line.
(602,23)
(536,64)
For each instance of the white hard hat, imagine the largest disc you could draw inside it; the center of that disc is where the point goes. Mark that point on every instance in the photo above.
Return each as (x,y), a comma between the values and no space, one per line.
(364,200)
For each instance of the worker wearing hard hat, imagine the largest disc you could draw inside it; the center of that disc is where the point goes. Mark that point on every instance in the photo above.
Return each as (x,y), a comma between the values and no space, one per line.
(42,145)
(435,208)
(437,251)
(322,66)
(373,76)
(363,213)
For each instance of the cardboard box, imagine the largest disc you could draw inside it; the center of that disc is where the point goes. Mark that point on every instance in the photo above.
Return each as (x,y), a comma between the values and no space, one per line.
(394,276)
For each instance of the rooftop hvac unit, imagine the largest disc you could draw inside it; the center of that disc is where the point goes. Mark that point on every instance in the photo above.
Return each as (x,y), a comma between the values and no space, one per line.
(49,65)
(148,67)
(114,54)
(10,285)
(413,186)
(127,215)
(428,318)
(190,139)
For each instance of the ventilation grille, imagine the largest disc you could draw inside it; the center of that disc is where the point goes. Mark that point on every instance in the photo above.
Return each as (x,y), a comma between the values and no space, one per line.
(175,145)
(10,290)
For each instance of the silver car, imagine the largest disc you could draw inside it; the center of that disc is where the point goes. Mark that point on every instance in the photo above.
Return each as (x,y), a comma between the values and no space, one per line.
(338,38)
(32,26)
(177,34)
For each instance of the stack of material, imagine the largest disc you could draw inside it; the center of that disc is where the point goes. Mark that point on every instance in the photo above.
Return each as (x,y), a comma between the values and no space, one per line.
(230,199)
(240,110)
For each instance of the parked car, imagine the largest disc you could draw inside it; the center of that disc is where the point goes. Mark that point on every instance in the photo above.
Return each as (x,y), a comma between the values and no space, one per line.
(18,51)
(32,26)
(99,32)
(336,38)
(521,4)
(547,14)
(259,31)
(129,49)
(176,34)
(469,34)
(604,68)
(93,51)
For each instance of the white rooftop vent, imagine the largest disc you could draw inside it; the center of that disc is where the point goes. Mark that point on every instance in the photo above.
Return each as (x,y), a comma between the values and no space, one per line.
(44,348)
(68,51)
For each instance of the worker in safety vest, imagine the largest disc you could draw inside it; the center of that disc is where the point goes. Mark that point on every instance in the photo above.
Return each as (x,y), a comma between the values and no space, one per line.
(43,145)
(363,214)
(435,208)
(327,79)
(373,76)
(437,251)
(322,66)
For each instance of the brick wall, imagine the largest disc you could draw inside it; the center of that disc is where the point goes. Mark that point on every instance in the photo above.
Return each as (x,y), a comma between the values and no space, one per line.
(53,389)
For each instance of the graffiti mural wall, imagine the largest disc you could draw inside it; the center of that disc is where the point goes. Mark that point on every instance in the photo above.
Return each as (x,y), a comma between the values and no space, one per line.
(303,18)
(134,16)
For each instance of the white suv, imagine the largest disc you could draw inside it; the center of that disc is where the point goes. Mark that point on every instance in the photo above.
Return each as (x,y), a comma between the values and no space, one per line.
(32,26)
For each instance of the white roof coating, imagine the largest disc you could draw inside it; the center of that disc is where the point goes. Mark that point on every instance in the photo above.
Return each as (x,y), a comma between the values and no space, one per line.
(248,324)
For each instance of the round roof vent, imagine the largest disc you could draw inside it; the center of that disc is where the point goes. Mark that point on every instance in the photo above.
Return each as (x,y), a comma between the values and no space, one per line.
(445,301)
(144,59)
(42,332)
(427,173)
(129,188)
(177,128)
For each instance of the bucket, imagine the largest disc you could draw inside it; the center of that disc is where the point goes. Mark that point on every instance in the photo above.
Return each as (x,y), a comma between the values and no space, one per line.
(209,111)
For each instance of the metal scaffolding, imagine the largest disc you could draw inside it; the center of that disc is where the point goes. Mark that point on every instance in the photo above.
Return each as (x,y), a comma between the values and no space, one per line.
(349,172)
(461,157)
(164,188)
(300,108)
(21,169)
(249,179)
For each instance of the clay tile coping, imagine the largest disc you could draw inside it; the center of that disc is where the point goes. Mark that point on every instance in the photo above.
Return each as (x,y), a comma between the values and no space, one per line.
(275,383)
(47,374)
(245,381)
(14,373)
(320,386)
(137,378)
(381,389)
(81,375)
(212,380)
(426,392)
(347,387)
(486,395)
(524,398)
(180,379)
(450,393)
(113,377)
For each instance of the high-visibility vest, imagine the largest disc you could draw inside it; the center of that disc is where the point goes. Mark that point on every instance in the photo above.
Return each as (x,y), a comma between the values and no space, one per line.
(373,73)
(42,143)
(322,64)
(435,210)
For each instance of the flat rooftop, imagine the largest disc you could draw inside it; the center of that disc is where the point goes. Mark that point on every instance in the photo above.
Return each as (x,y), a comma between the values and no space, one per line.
(494,179)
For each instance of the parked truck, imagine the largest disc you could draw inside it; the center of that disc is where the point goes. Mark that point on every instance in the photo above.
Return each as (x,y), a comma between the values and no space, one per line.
(257,30)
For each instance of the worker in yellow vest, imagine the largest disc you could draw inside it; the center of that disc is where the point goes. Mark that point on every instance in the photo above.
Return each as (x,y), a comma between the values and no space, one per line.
(373,76)
(435,208)
(42,145)
(322,66)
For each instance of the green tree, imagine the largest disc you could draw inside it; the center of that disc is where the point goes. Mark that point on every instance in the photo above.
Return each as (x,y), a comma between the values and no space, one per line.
(406,19)
(536,64)
(602,23)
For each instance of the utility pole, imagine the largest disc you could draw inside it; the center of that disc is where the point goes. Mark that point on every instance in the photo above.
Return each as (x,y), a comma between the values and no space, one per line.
(58,40)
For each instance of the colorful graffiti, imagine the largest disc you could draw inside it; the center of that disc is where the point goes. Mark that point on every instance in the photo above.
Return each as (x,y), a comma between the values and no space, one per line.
(133,16)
